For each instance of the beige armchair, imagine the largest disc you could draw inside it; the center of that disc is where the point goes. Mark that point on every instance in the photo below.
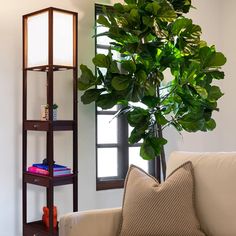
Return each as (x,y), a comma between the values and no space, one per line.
(215,177)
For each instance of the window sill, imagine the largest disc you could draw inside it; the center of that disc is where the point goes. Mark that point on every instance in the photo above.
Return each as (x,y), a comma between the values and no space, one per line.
(110,184)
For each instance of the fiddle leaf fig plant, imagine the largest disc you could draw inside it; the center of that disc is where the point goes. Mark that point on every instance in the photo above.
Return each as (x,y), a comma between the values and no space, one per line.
(164,65)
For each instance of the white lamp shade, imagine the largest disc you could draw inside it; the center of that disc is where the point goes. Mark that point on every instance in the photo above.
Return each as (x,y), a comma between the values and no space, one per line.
(62,38)
(38,39)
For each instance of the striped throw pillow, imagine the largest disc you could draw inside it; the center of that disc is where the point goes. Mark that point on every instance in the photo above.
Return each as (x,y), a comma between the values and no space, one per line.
(153,209)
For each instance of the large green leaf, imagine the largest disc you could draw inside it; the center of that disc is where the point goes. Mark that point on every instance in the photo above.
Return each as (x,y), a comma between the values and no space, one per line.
(119,7)
(189,34)
(181,5)
(218,59)
(201,91)
(114,67)
(152,147)
(152,8)
(103,21)
(135,93)
(211,125)
(121,82)
(83,86)
(101,60)
(166,11)
(137,116)
(91,95)
(106,101)
(190,38)
(141,76)
(129,66)
(215,75)
(138,133)
(147,152)
(180,25)
(134,15)
(210,58)
(87,79)
(214,93)
(161,120)
(148,21)
(150,89)
(189,73)
(205,54)
(151,101)
(157,144)
(123,22)
(191,124)
(130,1)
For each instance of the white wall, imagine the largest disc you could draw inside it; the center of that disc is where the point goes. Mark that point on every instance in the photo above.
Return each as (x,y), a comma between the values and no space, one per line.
(215,31)
(227,32)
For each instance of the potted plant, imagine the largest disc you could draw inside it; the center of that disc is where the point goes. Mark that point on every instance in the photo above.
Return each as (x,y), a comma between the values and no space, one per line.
(152,37)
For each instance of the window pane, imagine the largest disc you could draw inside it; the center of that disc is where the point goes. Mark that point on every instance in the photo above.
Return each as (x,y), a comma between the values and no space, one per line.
(112,109)
(107,162)
(136,159)
(104,40)
(115,56)
(107,129)
(138,104)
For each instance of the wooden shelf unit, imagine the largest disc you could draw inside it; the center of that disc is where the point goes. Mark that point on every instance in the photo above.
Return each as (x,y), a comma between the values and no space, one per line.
(37,228)
(59,125)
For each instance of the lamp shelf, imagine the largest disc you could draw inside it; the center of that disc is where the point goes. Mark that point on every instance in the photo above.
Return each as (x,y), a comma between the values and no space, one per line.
(45,181)
(57,125)
(45,68)
(38,228)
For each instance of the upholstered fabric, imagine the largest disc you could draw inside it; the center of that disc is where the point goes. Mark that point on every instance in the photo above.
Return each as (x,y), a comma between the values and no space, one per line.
(215,180)
(91,223)
(153,209)
(215,175)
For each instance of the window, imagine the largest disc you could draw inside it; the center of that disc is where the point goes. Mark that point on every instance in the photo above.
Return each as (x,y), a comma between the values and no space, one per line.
(114,154)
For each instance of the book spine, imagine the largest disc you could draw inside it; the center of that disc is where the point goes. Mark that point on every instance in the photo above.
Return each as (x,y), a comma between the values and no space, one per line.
(59,173)
(36,170)
(57,167)
(59,170)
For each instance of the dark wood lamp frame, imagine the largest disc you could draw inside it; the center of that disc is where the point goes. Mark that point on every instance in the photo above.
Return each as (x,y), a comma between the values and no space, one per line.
(49,126)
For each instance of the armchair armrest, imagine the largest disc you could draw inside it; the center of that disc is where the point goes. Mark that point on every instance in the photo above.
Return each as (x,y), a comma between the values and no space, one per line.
(103,222)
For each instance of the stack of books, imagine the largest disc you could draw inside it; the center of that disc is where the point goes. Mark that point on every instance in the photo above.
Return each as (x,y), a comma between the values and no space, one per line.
(58,170)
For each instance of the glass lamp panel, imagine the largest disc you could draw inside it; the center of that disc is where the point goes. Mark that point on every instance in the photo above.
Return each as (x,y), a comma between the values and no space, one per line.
(106,129)
(37,40)
(62,39)
(136,159)
(107,162)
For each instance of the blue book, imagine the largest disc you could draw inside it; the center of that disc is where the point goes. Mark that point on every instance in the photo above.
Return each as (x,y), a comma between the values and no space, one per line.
(55,166)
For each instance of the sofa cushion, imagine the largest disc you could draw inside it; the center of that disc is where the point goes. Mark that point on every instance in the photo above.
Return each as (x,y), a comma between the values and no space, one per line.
(154,209)
(215,178)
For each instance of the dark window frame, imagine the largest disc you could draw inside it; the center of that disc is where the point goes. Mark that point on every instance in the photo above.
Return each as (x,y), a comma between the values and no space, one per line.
(122,144)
